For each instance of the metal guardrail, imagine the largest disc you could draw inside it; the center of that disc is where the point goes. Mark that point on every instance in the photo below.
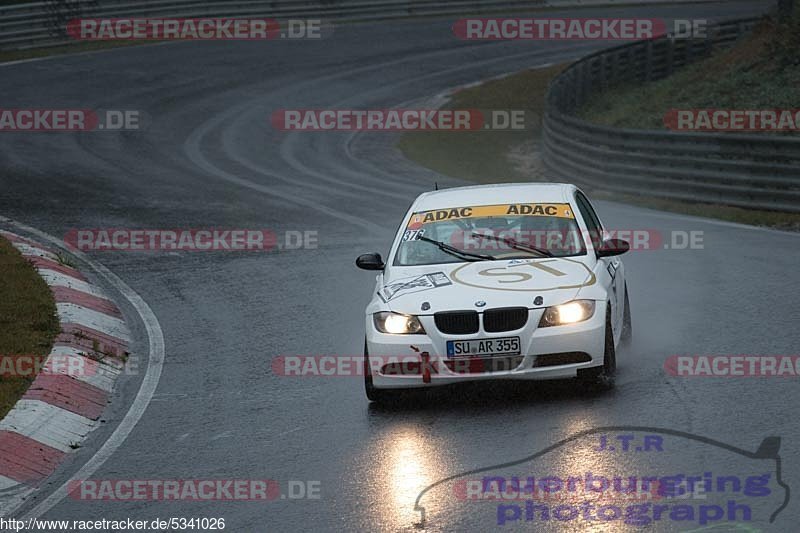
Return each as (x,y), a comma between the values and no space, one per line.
(38,24)
(758,171)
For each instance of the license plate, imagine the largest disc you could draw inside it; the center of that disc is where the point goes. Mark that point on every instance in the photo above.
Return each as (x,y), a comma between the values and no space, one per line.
(483,347)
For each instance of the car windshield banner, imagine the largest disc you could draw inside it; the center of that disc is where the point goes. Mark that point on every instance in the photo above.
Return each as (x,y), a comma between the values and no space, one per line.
(485,211)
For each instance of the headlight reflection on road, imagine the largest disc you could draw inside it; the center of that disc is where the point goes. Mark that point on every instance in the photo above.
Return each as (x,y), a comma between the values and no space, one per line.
(412,467)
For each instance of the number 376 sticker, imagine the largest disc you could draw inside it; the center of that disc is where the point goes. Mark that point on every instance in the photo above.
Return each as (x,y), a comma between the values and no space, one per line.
(413,234)
(527,275)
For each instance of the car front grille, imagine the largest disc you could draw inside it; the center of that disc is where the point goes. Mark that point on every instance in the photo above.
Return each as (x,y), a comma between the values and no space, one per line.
(504,319)
(457,322)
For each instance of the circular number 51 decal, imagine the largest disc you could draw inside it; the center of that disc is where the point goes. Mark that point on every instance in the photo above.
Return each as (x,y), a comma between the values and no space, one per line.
(532,275)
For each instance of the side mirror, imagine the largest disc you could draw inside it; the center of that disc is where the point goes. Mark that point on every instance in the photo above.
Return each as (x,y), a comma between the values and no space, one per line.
(612,247)
(370,262)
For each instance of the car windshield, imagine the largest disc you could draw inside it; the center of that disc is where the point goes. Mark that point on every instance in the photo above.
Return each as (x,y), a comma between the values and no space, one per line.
(505,231)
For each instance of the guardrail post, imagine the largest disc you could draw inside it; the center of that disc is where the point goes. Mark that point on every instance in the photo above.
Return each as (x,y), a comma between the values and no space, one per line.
(583,86)
(689,50)
(576,87)
(626,71)
(670,66)
(602,77)
(569,89)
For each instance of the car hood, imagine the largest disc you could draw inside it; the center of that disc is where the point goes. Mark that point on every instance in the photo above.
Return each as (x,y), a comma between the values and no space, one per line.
(484,284)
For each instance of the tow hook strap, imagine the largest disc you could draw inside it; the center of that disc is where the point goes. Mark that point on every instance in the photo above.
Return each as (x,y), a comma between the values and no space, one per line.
(426,364)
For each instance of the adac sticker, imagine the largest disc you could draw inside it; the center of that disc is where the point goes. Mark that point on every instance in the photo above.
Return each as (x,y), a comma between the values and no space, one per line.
(483,211)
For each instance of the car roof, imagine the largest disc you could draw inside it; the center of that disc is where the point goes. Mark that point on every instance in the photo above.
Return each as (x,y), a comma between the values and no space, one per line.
(500,193)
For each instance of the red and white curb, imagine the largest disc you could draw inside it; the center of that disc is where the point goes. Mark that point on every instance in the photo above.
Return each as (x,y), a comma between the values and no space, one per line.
(62,406)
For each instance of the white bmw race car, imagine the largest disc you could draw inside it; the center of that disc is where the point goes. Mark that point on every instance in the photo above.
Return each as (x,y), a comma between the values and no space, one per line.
(496,282)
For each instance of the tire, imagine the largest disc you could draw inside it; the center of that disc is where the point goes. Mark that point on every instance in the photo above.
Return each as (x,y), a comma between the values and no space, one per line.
(602,377)
(374,394)
(627,327)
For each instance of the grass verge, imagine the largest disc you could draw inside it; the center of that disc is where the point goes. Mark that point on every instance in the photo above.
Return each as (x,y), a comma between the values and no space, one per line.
(483,155)
(512,156)
(28,319)
(761,72)
(752,217)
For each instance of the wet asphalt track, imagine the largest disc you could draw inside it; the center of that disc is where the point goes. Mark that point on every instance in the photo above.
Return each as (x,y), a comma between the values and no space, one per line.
(210,159)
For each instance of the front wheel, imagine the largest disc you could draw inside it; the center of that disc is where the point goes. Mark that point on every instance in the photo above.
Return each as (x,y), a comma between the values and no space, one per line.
(375,394)
(602,377)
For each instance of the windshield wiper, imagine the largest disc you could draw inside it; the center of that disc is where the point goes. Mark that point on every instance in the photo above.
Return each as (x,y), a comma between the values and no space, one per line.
(452,250)
(516,245)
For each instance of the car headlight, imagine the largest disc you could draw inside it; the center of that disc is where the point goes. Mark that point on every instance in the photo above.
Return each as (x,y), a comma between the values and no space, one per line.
(397,324)
(568,313)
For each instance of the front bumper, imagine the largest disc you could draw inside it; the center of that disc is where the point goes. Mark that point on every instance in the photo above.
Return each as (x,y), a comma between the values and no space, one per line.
(543,350)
